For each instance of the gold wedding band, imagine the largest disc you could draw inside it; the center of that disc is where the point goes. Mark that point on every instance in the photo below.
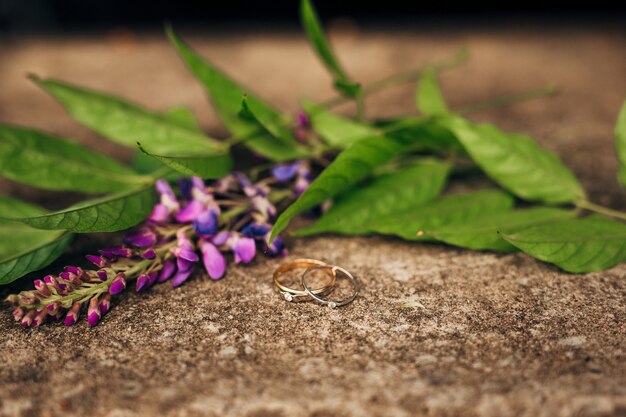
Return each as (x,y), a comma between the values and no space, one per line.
(291,294)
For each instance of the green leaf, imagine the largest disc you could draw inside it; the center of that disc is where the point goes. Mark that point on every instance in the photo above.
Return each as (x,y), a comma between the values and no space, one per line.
(337,131)
(351,166)
(383,195)
(448,210)
(106,214)
(428,134)
(183,117)
(205,165)
(429,99)
(578,245)
(482,232)
(316,36)
(226,95)
(620,143)
(22,248)
(517,163)
(46,161)
(127,123)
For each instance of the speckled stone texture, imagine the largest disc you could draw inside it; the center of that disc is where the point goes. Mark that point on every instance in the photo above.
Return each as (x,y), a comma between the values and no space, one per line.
(436,331)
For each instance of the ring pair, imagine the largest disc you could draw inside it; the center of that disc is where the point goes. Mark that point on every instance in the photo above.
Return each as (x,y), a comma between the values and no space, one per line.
(319,294)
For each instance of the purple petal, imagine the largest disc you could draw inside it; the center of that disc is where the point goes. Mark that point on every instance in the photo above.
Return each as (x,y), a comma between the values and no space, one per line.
(276,248)
(102,274)
(142,238)
(118,285)
(221,238)
(302,119)
(169,267)
(206,223)
(93,312)
(181,277)
(256,230)
(244,248)
(214,261)
(163,188)
(189,213)
(98,261)
(285,172)
(160,214)
(105,304)
(142,282)
(152,277)
(149,254)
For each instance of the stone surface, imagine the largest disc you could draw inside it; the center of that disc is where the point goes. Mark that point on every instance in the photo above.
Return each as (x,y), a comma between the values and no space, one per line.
(435,331)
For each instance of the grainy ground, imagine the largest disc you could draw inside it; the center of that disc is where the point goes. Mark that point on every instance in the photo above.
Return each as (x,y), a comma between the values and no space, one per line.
(487,335)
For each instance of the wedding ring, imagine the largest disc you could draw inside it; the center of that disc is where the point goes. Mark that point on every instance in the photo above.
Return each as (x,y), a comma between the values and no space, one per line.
(332,270)
(291,294)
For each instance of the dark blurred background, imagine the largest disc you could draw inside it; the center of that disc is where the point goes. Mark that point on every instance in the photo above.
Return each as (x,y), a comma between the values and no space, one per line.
(69,15)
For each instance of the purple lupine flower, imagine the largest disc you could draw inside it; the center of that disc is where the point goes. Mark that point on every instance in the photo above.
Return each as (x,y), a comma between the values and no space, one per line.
(214,261)
(72,315)
(221,238)
(169,267)
(244,249)
(149,254)
(98,261)
(206,223)
(143,238)
(191,211)
(181,276)
(159,215)
(42,287)
(118,285)
(184,252)
(256,230)
(102,274)
(285,172)
(93,312)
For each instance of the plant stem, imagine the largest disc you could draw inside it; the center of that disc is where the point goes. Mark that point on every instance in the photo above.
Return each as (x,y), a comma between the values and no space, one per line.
(588,205)
(360,107)
(547,90)
(400,78)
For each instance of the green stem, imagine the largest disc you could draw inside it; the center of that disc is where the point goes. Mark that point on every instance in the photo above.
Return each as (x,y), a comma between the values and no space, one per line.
(360,107)
(548,90)
(401,78)
(588,205)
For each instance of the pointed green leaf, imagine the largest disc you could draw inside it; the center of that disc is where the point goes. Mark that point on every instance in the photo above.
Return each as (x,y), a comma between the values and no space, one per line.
(517,163)
(351,166)
(226,95)
(620,143)
(106,214)
(205,165)
(429,99)
(577,245)
(183,117)
(46,161)
(316,36)
(481,232)
(448,210)
(127,123)
(22,248)
(428,134)
(336,130)
(385,194)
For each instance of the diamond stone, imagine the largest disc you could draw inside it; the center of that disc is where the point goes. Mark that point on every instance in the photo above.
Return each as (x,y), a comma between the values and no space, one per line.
(332,304)
(287,296)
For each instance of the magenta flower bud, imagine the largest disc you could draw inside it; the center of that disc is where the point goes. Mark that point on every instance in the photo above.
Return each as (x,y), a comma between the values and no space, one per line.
(74,270)
(149,254)
(118,285)
(52,308)
(142,282)
(181,277)
(143,238)
(302,120)
(72,315)
(48,279)
(244,249)
(98,261)
(40,318)
(105,304)
(18,313)
(152,277)
(27,320)
(117,251)
(42,287)
(214,261)
(93,312)
(102,274)
(169,267)
(189,213)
